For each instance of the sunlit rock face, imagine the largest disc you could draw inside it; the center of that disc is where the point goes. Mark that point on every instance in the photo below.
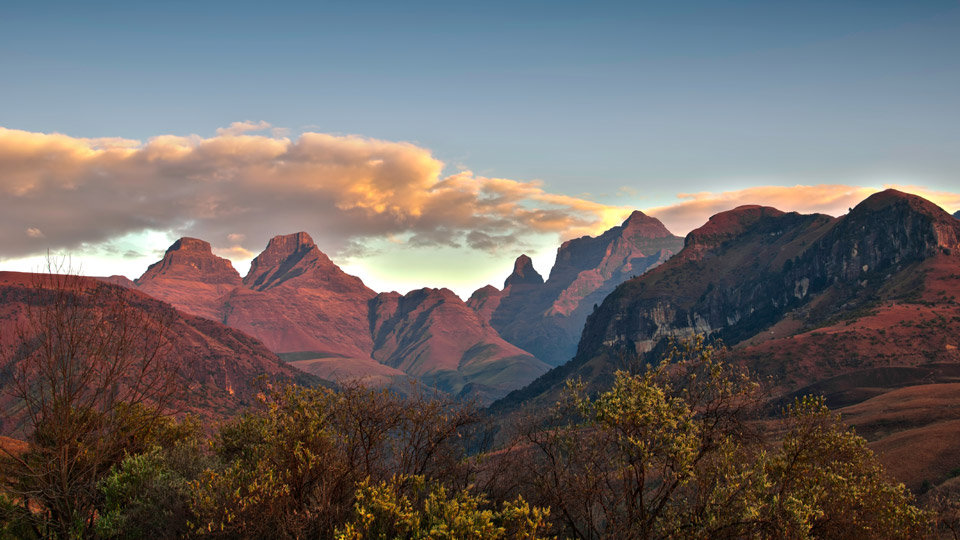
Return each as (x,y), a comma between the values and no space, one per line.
(433,335)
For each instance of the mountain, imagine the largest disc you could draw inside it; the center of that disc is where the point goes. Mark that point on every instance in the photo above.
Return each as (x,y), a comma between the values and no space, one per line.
(297,301)
(328,323)
(433,335)
(957,214)
(859,308)
(219,364)
(546,317)
(190,277)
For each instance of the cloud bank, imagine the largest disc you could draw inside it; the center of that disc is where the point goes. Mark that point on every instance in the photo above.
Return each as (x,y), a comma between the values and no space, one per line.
(237,189)
(694,209)
(250,182)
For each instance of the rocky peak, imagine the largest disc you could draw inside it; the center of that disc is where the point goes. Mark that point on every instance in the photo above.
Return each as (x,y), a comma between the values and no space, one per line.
(485,301)
(483,293)
(294,259)
(640,224)
(523,273)
(730,224)
(191,259)
(886,229)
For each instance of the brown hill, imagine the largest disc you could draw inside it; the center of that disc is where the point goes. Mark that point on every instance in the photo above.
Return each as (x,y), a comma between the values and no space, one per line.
(218,364)
(545,318)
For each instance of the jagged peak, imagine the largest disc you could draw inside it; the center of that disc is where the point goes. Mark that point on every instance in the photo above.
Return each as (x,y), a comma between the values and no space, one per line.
(647,226)
(426,293)
(484,292)
(523,273)
(290,243)
(290,256)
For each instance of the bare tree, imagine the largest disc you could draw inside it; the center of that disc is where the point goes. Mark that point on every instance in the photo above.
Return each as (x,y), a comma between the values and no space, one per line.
(92,377)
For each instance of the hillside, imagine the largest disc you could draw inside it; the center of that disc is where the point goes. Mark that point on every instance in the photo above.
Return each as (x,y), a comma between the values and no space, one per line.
(218,364)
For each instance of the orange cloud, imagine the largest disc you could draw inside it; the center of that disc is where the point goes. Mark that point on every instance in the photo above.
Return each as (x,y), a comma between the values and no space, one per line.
(238,188)
(694,209)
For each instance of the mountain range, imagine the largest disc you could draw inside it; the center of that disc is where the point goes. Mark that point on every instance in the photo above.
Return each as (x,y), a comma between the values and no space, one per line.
(864,309)
(327,323)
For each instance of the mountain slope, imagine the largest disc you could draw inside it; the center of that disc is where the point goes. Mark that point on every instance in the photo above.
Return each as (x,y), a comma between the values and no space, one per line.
(219,364)
(545,318)
(433,335)
(296,300)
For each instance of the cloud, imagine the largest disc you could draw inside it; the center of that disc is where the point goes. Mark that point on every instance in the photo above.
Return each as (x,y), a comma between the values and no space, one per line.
(694,209)
(239,128)
(34,232)
(237,189)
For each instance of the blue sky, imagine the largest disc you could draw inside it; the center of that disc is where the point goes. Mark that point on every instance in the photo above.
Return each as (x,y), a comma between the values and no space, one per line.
(659,98)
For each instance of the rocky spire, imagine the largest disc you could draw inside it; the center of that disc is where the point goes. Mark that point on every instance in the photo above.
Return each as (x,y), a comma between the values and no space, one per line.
(523,273)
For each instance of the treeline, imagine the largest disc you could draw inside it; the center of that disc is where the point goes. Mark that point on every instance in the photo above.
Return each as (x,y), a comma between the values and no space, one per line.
(685,449)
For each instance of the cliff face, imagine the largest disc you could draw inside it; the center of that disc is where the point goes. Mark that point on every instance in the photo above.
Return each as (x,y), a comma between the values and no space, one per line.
(545,318)
(755,274)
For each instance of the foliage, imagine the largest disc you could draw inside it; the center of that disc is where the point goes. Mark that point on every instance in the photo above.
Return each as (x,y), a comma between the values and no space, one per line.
(679,451)
(146,495)
(385,511)
(291,469)
(92,380)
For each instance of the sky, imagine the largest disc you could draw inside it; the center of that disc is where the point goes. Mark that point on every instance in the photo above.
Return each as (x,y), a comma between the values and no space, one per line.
(430,143)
